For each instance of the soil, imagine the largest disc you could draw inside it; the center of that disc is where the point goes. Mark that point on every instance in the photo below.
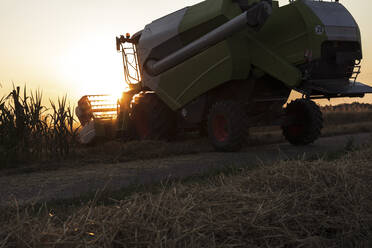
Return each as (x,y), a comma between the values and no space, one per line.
(74,182)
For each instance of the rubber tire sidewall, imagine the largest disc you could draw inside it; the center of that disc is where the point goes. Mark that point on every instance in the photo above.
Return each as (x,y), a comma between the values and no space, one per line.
(160,119)
(312,125)
(237,128)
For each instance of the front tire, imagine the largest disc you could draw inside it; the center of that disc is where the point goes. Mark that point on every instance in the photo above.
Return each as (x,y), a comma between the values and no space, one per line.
(151,118)
(304,122)
(227,126)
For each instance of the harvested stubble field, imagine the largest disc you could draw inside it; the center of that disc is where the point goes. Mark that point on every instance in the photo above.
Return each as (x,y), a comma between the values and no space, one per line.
(289,204)
(319,203)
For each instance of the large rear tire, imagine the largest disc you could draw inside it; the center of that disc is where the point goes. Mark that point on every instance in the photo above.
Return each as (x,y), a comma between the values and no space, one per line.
(227,126)
(152,118)
(304,122)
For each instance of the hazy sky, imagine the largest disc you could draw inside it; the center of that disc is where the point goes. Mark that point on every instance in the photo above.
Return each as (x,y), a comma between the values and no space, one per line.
(68,46)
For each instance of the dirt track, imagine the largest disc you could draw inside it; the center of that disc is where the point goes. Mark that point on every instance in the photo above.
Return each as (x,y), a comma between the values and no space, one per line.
(70,183)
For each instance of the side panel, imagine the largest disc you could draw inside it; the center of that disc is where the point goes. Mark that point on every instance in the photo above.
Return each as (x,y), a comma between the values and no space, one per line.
(268,61)
(314,28)
(195,76)
(206,16)
(290,32)
(158,32)
(338,22)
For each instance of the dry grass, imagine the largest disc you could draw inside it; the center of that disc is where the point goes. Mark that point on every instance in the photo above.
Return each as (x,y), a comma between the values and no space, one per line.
(271,135)
(348,107)
(342,118)
(115,151)
(291,204)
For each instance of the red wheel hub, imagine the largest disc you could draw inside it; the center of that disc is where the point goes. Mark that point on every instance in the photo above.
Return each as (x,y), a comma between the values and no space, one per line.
(220,128)
(295,130)
(298,127)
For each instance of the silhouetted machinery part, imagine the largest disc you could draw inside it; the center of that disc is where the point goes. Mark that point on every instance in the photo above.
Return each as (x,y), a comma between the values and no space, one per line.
(97,115)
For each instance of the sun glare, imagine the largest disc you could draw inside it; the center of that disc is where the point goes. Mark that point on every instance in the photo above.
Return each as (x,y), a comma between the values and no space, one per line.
(94,69)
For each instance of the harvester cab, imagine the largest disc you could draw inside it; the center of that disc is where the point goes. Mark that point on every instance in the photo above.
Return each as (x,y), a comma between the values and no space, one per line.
(223,66)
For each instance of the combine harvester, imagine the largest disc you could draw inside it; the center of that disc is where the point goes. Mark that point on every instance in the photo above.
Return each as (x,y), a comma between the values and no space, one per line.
(223,66)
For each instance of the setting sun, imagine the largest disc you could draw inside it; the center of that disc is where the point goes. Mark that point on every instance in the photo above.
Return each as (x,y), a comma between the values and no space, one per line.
(92,69)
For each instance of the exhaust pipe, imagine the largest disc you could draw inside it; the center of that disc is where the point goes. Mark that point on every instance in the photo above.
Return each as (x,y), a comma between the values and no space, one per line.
(255,16)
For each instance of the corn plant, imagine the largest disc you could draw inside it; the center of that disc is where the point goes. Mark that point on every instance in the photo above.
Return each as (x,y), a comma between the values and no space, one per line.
(8,133)
(30,131)
(62,129)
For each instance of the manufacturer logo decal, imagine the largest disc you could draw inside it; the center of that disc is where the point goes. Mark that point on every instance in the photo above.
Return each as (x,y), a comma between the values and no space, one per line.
(319,30)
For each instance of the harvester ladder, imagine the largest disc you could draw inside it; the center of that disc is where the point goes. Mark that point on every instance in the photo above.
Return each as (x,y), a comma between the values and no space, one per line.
(130,61)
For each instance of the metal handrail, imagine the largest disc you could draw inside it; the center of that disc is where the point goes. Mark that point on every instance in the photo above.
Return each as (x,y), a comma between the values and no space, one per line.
(130,61)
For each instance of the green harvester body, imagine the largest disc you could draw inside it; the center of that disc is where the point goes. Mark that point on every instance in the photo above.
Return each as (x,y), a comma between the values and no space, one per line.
(252,52)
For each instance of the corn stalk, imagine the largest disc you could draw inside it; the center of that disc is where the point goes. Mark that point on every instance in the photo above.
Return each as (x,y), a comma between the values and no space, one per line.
(31,131)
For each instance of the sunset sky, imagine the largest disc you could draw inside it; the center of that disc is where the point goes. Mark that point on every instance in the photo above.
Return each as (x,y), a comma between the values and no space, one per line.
(68,46)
